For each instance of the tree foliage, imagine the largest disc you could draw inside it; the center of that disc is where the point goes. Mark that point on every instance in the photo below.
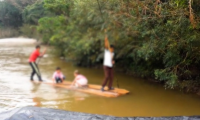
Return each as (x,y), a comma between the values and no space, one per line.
(32,13)
(11,10)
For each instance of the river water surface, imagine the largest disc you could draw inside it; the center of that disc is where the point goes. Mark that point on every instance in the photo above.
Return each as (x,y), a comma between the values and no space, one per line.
(145,99)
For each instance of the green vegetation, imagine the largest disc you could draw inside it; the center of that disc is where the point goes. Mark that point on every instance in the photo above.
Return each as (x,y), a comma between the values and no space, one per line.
(11,16)
(153,38)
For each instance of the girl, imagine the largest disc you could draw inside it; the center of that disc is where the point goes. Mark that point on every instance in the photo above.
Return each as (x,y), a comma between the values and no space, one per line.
(80,80)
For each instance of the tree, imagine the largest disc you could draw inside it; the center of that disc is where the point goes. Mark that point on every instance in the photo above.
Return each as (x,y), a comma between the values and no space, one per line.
(10,15)
(32,13)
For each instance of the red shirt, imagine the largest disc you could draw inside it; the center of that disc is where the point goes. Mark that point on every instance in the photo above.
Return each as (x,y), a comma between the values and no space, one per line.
(34,56)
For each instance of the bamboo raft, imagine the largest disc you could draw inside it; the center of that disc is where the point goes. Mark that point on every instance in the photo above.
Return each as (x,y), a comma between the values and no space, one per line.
(91,89)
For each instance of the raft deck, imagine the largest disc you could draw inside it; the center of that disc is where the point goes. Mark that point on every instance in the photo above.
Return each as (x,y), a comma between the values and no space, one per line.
(91,89)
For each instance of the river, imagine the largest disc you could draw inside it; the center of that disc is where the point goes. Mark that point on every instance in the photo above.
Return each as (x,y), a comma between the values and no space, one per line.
(145,99)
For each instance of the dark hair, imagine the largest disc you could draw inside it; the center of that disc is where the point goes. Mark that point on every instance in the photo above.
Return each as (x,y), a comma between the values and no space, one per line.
(37,46)
(112,46)
(58,68)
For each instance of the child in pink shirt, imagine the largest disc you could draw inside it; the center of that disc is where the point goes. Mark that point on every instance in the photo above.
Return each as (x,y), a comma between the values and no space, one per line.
(80,80)
(58,77)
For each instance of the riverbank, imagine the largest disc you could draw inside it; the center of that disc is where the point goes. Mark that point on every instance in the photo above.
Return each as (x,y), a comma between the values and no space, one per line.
(8,32)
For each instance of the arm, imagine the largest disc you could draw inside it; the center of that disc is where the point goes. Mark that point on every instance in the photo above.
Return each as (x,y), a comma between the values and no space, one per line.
(107,46)
(73,82)
(62,77)
(43,52)
(53,77)
(113,61)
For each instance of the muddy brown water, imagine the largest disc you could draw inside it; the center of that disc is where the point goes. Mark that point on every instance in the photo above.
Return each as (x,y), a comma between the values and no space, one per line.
(145,99)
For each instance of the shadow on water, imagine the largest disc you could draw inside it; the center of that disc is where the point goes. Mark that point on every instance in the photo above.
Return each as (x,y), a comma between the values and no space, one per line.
(145,99)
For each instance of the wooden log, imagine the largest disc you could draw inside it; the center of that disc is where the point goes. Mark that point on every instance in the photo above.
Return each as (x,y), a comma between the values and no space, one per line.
(91,89)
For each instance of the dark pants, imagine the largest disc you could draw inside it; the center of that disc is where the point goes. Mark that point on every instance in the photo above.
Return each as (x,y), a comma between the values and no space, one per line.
(35,70)
(108,71)
(59,80)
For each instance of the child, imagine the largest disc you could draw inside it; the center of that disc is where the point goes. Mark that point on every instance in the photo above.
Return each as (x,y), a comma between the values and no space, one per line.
(32,61)
(80,80)
(108,65)
(58,77)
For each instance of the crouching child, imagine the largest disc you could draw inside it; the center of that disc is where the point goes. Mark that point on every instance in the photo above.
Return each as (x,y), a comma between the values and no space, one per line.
(58,76)
(80,80)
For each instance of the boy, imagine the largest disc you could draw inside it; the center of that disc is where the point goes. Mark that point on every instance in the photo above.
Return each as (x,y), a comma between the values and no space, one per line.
(108,65)
(32,61)
(58,77)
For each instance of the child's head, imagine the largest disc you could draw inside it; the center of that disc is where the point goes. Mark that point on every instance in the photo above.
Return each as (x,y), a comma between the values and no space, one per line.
(58,69)
(112,48)
(76,72)
(37,47)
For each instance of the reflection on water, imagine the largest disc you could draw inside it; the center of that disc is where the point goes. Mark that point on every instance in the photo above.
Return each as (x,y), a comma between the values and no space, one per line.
(146,99)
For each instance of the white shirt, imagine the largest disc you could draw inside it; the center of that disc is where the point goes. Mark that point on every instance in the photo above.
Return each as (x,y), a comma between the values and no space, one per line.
(108,58)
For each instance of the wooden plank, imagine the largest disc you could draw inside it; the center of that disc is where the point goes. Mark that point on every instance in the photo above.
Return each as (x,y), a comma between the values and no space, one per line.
(98,87)
(86,90)
(92,89)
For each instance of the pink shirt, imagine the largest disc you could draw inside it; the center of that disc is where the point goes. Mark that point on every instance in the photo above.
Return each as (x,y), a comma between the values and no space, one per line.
(82,80)
(79,77)
(58,75)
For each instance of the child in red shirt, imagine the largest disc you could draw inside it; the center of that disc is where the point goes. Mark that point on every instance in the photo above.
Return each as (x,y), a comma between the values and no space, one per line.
(32,61)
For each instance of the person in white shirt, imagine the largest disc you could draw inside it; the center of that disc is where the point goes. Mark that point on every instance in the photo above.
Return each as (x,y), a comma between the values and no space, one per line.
(58,76)
(80,80)
(108,64)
